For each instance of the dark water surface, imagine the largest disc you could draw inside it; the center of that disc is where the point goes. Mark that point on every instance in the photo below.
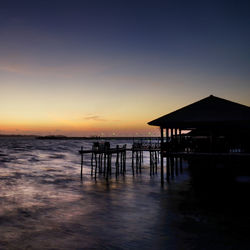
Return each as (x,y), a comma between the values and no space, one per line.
(45,205)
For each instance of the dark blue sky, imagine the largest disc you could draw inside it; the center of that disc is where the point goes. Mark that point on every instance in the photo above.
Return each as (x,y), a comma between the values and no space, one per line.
(169,52)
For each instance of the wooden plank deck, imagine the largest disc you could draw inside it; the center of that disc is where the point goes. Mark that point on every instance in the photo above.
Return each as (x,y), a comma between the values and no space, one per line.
(179,154)
(115,150)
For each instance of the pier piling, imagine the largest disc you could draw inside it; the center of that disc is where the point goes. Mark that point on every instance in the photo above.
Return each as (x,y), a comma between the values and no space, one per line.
(101,160)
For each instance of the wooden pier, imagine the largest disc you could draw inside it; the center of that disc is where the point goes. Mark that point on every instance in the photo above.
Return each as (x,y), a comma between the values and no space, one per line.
(102,154)
(170,163)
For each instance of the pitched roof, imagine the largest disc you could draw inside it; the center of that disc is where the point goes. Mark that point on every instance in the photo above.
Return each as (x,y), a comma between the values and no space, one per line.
(210,110)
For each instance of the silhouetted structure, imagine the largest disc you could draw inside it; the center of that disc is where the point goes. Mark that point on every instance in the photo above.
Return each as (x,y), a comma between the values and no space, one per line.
(217,127)
(101,157)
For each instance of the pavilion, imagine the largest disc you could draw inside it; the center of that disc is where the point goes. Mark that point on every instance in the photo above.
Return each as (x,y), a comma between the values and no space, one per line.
(214,125)
(211,117)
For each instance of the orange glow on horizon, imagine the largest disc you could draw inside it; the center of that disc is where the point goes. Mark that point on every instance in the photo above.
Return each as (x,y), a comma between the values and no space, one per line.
(100,129)
(37,100)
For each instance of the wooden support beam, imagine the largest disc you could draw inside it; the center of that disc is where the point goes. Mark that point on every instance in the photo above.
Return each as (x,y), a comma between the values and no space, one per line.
(81,161)
(167,135)
(171,138)
(117,161)
(96,163)
(104,163)
(162,167)
(155,163)
(133,155)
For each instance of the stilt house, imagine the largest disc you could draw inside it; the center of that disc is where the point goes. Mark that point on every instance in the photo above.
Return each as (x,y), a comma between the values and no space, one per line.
(214,125)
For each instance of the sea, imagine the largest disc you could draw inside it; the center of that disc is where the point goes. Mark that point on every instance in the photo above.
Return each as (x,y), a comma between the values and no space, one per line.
(44,204)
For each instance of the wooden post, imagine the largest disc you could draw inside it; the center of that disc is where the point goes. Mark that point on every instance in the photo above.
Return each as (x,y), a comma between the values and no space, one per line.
(109,161)
(155,161)
(110,164)
(137,160)
(104,163)
(179,135)
(81,160)
(124,157)
(92,158)
(133,161)
(96,163)
(140,160)
(117,161)
(100,163)
(151,164)
(167,137)
(171,138)
(121,161)
(162,169)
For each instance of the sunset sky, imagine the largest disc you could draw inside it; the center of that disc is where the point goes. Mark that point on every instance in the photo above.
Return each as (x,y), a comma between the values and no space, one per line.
(105,67)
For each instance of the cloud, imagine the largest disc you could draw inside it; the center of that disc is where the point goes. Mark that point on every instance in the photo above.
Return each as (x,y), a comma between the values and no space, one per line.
(68,71)
(11,68)
(95,118)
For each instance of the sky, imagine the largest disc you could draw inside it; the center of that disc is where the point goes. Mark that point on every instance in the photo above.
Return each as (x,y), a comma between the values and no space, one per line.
(83,68)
